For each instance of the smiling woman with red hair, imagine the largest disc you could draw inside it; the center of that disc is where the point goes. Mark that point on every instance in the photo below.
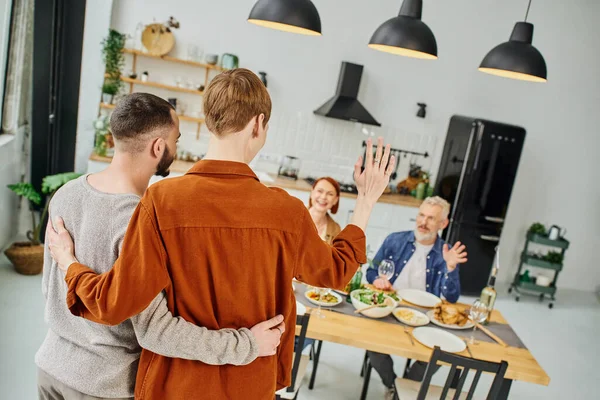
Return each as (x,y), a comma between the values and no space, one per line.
(325,198)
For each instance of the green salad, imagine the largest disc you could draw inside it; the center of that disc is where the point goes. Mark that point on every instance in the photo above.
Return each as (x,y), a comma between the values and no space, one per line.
(372,298)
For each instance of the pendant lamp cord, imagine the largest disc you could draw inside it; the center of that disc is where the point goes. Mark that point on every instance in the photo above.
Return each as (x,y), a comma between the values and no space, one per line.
(527,13)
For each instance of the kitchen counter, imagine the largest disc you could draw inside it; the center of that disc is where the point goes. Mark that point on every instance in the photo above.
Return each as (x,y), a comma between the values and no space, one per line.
(397,199)
(183,166)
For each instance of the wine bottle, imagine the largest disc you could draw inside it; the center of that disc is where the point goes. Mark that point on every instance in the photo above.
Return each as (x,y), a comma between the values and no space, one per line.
(354,284)
(488,294)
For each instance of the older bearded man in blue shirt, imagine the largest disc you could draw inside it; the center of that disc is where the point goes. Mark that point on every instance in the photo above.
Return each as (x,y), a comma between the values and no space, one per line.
(422,260)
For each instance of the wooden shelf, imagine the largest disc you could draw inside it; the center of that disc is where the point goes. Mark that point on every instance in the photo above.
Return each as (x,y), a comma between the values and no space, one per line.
(181,117)
(174,59)
(160,86)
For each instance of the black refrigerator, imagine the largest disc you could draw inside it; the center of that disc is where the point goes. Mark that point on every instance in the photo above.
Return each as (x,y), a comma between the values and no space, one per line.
(477,172)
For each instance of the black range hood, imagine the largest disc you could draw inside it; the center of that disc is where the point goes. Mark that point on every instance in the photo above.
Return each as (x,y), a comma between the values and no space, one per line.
(344,104)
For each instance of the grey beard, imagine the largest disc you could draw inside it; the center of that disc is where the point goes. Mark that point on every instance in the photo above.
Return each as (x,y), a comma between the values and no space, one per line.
(424,236)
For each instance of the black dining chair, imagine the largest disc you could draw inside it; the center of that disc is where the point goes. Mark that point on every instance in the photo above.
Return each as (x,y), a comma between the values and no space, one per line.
(366,370)
(407,389)
(300,362)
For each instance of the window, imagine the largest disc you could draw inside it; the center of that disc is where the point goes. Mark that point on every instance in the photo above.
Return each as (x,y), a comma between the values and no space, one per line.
(5,8)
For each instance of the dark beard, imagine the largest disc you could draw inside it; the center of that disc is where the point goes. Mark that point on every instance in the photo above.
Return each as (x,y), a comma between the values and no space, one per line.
(162,169)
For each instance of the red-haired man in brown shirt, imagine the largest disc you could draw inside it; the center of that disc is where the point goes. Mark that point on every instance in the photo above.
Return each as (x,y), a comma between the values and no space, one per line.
(224,248)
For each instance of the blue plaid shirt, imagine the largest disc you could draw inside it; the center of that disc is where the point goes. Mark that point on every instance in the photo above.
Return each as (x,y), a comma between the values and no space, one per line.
(399,248)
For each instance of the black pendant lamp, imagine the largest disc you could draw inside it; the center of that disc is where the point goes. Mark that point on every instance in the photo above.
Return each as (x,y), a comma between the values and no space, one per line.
(406,34)
(517,58)
(296,16)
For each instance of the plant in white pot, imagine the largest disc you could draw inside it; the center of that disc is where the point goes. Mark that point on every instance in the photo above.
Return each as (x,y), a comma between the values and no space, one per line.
(28,257)
(109,90)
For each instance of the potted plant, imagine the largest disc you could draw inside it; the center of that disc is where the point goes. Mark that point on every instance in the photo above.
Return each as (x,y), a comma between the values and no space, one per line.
(109,90)
(28,257)
(112,54)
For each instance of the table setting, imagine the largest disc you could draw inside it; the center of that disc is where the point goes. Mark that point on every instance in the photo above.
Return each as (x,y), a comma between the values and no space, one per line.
(423,316)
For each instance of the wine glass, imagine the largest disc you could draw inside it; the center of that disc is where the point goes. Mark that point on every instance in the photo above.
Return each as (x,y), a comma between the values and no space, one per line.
(321,292)
(478,313)
(387,269)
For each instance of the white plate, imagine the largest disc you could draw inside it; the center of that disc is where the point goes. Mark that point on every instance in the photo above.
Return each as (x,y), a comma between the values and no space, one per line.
(432,337)
(468,325)
(300,309)
(421,319)
(419,297)
(323,304)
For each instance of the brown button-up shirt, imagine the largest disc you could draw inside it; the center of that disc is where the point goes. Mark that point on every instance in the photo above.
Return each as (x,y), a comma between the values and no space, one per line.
(225,248)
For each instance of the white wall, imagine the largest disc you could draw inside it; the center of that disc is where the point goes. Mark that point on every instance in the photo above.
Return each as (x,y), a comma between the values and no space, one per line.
(556,183)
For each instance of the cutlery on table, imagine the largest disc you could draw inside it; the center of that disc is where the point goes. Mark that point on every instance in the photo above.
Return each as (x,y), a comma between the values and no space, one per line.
(468,348)
(491,334)
(409,335)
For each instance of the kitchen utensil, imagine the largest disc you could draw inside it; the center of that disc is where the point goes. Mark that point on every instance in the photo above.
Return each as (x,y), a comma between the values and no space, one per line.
(478,313)
(432,337)
(378,312)
(430,314)
(289,168)
(229,61)
(412,342)
(418,319)
(468,348)
(388,302)
(419,297)
(211,59)
(395,173)
(491,334)
(555,232)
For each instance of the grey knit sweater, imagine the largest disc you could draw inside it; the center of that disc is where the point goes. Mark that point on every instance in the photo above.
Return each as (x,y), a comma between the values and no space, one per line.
(99,360)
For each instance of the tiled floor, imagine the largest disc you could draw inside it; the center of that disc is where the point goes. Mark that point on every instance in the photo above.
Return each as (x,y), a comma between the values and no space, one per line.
(564,341)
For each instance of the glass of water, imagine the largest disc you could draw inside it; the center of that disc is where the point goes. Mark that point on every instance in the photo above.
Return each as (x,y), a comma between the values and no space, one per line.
(478,314)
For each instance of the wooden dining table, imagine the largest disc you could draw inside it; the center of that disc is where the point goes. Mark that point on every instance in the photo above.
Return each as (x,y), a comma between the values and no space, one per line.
(381,337)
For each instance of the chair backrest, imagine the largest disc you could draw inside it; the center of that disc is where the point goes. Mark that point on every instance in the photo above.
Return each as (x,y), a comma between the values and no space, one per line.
(302,322)
(466,364)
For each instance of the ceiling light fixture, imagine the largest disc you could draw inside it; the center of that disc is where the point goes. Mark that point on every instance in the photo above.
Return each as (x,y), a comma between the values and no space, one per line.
(406,35)
(517,58)
(296,16)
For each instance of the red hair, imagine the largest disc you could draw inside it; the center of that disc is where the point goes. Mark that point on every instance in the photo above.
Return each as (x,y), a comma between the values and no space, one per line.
(337,191)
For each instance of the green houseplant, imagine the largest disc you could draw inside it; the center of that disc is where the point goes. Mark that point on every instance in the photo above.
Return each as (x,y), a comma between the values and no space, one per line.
(28,257)
(109,90)
(112,54)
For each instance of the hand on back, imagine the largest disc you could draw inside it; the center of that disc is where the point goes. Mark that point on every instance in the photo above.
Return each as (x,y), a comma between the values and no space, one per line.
(268,335)
(60,244)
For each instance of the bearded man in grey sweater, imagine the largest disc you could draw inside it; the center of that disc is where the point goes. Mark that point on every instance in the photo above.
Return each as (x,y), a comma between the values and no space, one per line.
(80,359)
